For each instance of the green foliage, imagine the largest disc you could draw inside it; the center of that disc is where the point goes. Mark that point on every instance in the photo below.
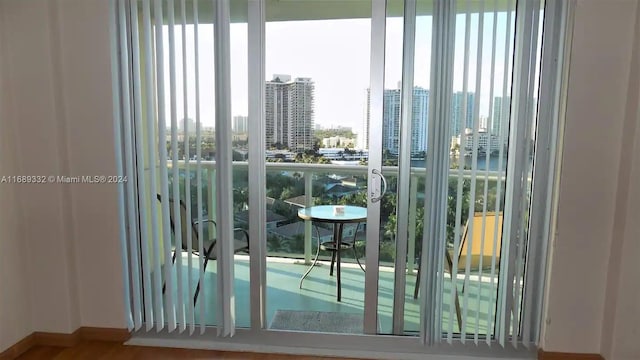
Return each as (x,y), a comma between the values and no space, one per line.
(207,147)
(281,186)
(311,157)
(343,132)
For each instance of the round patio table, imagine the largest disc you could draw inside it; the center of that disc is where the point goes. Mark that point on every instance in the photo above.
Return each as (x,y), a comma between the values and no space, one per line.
(332,214)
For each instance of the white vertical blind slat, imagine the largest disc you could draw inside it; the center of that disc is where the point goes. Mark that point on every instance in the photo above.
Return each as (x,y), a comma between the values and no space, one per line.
(504,122)
(449,31)
(201,273)
(461,157)
(169,308)
(131,190)
(474,167)
(175,191)
(494,39)
(151,151)
(120,85)
(437,163)
(527,140)
(139,125)
(528,118)
(187,168)
(224,171)
(524,60)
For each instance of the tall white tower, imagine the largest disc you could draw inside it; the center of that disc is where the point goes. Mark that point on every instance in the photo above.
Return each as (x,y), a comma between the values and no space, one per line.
(289,112)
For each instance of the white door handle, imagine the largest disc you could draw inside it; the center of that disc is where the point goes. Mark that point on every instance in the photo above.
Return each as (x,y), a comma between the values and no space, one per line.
(384,186)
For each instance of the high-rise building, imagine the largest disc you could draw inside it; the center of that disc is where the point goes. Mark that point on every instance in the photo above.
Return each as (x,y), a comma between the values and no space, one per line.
(485,142)
(420,120)
(240,124)
(497,119)
(363,137)
(391,120)
(458,112)
(191,125)
(289,112)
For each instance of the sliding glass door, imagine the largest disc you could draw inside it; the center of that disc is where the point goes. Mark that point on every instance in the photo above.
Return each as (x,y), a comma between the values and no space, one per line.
(316,78)
(362,168)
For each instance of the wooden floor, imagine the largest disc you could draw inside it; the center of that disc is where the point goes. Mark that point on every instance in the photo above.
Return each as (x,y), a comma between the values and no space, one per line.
(107,350)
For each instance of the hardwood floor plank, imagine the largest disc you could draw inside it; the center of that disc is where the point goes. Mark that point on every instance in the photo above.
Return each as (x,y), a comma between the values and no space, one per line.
(98,350)
(39,352)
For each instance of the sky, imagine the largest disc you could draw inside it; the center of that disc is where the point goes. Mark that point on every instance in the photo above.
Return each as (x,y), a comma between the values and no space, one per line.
(336,55)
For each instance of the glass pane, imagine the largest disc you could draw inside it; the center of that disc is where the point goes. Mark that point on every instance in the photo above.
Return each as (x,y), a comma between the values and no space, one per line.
(241,162)
(317,65)
(390,151)
(420,123)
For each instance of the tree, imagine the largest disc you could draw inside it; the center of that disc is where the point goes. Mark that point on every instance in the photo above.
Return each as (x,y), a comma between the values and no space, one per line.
(452,201)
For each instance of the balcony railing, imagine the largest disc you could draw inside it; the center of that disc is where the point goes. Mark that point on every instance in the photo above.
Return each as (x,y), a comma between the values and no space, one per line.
(308,170)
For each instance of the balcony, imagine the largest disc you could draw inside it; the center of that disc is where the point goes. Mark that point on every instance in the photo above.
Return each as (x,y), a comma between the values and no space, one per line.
(292,244)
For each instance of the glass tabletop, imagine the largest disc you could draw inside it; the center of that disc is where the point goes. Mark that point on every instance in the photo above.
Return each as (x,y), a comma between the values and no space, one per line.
(334,213)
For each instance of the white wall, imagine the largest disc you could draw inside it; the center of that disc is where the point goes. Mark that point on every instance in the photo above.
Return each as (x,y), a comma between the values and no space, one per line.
(621,329)
(30,84)
(86,77)
(57,76)
(596,111)
(15,303)
(623,341)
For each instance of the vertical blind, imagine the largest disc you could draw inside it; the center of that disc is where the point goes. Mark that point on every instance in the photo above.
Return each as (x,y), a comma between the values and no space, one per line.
(490,51)
(486,56)
(159,76)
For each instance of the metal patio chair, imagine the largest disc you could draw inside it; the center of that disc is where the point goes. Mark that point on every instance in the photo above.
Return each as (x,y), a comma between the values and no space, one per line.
(240,243)
(477,251)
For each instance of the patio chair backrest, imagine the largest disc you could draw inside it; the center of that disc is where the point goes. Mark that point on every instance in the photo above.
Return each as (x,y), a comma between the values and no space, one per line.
(185,225)
(480,250)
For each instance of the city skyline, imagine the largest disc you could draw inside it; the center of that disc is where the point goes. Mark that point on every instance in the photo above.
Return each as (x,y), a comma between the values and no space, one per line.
(487,128)
(336,54)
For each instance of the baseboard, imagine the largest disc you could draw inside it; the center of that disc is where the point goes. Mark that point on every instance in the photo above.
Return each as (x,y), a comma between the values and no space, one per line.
(65,340)
(545,355)
(18,348)
(56,339)
(104,334)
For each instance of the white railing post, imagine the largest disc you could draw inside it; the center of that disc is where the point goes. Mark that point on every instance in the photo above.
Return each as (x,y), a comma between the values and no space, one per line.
(413,192)
(308,201)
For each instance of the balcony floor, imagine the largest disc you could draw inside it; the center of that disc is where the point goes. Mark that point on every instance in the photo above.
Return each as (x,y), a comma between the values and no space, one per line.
(318,293)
